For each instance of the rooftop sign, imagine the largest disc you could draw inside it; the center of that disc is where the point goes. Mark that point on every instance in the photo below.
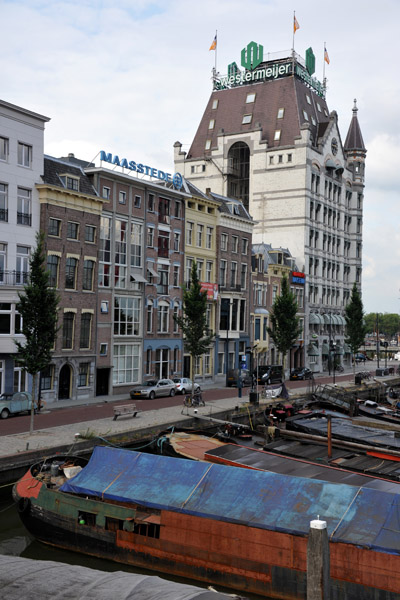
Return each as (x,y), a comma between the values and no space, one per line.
(256,70)
(176,179)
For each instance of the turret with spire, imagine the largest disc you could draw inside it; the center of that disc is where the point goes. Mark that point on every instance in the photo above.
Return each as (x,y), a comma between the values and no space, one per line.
(355,149)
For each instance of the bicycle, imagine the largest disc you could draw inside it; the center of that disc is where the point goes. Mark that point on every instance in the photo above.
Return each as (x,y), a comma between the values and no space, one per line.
(195,400)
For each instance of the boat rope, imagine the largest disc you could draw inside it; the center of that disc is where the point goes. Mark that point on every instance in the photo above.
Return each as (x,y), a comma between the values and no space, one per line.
(7,508)
(345,513)
(195,488)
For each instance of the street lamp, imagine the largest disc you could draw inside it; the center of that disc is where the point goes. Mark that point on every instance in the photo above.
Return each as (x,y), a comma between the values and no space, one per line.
(332,352)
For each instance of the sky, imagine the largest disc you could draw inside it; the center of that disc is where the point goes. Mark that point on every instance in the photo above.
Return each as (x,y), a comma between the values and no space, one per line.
(133,77)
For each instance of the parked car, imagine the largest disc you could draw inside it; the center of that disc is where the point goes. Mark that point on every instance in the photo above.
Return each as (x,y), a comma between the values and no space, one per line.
(13,404)
(235,374)
(397,356)
(184,385)
(269,374)
(151,389)
(301,373)
(360,357)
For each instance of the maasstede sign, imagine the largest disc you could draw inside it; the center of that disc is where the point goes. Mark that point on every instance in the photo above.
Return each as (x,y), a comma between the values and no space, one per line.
(251,59)
(141,169)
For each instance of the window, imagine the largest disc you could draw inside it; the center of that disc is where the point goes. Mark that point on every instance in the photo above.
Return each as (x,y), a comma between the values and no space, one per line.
(103,349)
(105,252)
(208,145)
(250,98)
(149,317)
(199,264)
(53,264)
(126,363)
(88,272)
(68,330)
(308,99)
(271,160)
(245,245)
(72,230)
(318,106)
(106,192)
(163,272)
(289,158)
(3,262)
(122,197)
(162,363)
(176,276)
(162,317)
(3,202)
(22,265)
(189,264)
(189,233)
(222,273)
(71,183)
(224,241)
(243,276)
(5,318)
(200,229)
(313,121)
(86,326)
(83,377)
(120,253)
(47,378)
(211,124)
(151,203)
(209,237)
(209,268)
(137,201)
(127,315)
(54,227)
(281,112)
(178,209)
(163,244)
(150,237)
(24,216)
(280,158)
(104,307)
(136,244)
(214,104)
(71,267)
(3,150)
(24,155)
(90,234)
(235,244)
(305,115)
(233,273)
(277,135)
(177,241)
(247,119)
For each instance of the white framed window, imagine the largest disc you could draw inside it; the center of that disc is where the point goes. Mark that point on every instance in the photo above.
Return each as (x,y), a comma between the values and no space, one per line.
(209,269)
(199,264)
(211,124)
(209,237)
(90,234)
(308,99)
(137,201)
(4,148)
(233,273)
(88,273)
(208,145)
(47,378)
(163,317)
(245,246)
(149,317)
(222,273)
(176,276)
(72,230)
(136,244)
(281,112)
(247,119)
(71,269)
(305,115)
(176,315)
(53,266)
(200,230)
(24,215)
(277,135)
(224,241)
(189,264)
(120,253)
(243,276)
(106,192)
(4,202)
(126,363)
(214,104)
(235,244)
(150,237)
(250,98)
(122,197)
(163,279)
(127,313)
(54,228)
(24,155)
(177,241)
(189,233)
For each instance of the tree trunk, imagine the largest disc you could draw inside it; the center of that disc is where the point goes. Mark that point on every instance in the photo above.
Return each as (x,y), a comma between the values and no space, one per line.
(192,365)
(34,377)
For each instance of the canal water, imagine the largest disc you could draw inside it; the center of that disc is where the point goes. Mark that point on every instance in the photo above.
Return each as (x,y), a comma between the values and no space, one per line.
(15,541)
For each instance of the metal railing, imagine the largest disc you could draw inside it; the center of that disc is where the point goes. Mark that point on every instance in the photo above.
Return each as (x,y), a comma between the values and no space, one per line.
(13,278)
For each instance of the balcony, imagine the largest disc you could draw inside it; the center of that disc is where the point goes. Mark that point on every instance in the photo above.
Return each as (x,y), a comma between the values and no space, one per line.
(13,278)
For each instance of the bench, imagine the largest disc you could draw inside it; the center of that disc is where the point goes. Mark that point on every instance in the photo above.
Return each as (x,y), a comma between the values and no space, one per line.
(125,409)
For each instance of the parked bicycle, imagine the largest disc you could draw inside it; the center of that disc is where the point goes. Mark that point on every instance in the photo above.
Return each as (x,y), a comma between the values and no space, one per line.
(195,400)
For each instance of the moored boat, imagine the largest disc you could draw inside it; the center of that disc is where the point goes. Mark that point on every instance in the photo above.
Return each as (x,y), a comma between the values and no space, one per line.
(241,528)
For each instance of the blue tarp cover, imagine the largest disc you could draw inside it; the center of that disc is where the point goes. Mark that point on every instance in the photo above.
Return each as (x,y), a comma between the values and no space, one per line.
(361,516)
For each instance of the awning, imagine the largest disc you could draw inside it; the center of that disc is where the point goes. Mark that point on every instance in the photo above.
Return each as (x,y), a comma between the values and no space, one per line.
(312,350)
(342,320)
(327,319)
(261,311)
(138,277)
(152,271)
(325,349)
(330,164)
(339,169)
(314,319)
(335,320)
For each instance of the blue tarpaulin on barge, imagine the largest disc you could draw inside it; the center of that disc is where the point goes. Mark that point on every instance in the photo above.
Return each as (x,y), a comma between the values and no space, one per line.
(361,516)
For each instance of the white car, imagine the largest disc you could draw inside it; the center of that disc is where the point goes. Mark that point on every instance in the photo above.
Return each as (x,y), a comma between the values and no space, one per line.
(184,384)
(397,356)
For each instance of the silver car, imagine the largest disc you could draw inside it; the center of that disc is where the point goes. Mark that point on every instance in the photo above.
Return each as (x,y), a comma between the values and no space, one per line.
(151,389)
(184,384)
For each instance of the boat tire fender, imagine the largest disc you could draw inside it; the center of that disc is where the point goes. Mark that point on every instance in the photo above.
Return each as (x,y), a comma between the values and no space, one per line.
(23,505)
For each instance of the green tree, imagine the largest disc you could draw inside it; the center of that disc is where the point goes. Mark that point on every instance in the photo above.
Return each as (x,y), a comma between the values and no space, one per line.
(285,325)
(193,322)
(370,322)
(355,325)
(38,308)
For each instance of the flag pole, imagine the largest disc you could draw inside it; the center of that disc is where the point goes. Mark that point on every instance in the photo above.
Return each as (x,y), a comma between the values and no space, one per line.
(294,31)
(216,49)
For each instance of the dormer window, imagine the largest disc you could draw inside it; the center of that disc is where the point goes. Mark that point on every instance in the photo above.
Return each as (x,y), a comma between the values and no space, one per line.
(308,99)
(211,124)
(214,104)
(70,182)
(281,112)
(246,119)
(250,98)
(277,135)
(305,115)
(208,144)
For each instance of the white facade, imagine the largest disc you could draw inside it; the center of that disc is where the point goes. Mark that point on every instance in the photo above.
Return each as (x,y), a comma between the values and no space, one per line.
(21,165)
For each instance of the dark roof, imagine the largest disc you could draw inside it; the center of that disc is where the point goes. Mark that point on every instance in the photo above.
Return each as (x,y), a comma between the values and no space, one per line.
(231,206)
(55,167)
(289,93)
(354,139)
(77,161)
